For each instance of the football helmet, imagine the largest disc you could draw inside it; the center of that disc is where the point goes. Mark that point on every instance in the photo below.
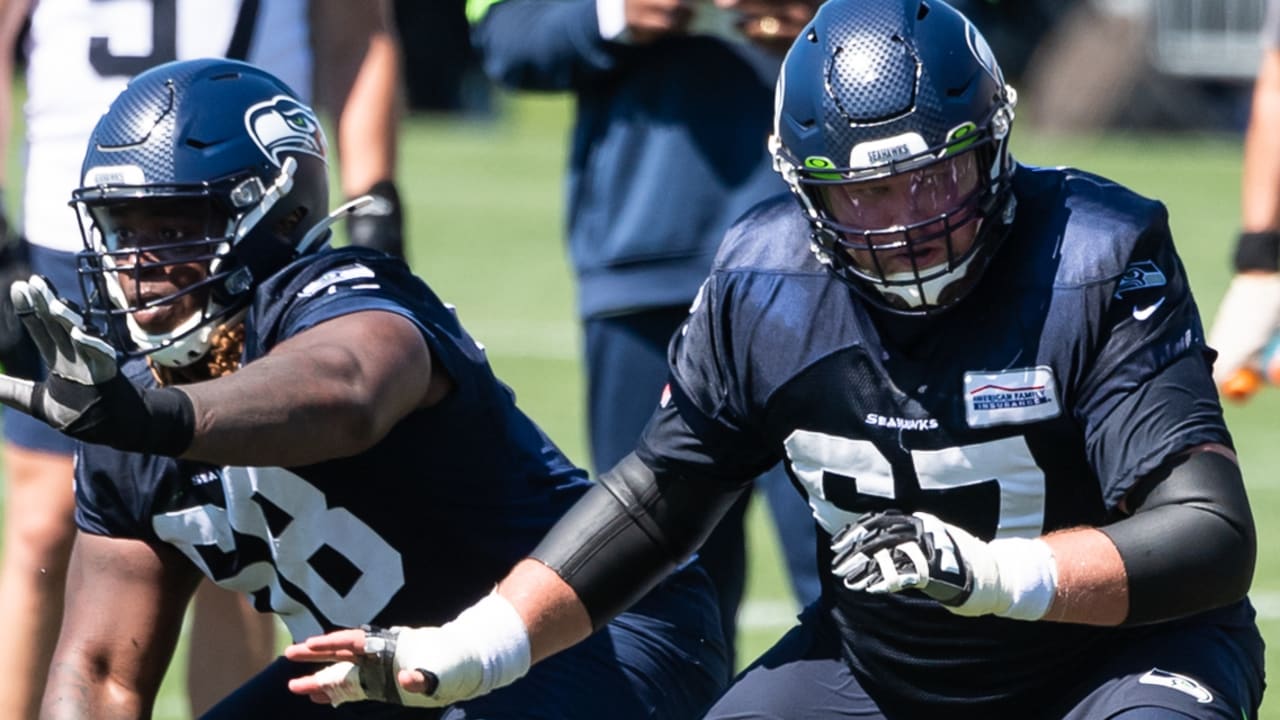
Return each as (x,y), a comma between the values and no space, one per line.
(891,127)
(228,168)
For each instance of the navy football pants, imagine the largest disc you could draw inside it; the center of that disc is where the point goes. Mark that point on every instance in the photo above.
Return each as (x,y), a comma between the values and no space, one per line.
(1188,670)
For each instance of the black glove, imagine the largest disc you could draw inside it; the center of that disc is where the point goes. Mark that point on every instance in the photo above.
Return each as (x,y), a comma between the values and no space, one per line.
(85,396)
(380,224)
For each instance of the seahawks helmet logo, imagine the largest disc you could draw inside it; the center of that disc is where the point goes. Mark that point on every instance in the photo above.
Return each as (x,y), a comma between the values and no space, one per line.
(282,124)
(982,52)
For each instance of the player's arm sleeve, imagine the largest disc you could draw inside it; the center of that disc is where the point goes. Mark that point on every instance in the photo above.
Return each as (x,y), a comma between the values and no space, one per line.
(1190,544)
(540,44)
(1186,538)
(629,531)
(656,507)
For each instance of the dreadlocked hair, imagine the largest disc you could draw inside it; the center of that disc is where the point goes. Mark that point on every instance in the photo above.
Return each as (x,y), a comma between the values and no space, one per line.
(226,346)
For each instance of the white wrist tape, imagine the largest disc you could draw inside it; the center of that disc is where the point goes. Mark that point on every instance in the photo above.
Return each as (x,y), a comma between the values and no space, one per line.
(1014,578)
(500,639)
(484,648)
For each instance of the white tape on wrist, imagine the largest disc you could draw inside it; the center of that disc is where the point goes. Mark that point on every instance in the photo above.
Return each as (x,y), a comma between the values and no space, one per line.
(1028,576)
(484,648)
(500,638)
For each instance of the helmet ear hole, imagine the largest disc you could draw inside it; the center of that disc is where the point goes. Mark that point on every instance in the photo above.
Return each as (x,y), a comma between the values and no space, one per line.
(288,225)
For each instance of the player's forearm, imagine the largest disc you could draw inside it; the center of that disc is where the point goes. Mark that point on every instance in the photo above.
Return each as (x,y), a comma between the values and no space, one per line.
(552,613)
(1092,588)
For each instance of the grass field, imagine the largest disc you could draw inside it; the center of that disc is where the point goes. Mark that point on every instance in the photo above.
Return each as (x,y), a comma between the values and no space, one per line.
(484,205)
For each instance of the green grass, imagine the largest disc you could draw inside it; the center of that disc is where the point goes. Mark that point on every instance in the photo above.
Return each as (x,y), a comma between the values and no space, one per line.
(486,226)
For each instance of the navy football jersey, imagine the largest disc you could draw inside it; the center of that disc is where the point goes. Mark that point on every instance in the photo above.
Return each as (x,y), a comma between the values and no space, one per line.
(1074,368)
(408,532)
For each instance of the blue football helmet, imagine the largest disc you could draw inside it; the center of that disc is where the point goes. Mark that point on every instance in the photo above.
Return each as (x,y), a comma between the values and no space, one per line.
(235,158)
(891,127)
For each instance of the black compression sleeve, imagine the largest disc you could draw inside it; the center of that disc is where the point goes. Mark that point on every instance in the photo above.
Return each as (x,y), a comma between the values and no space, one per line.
(1258,251)
(628,532)
(1190,544)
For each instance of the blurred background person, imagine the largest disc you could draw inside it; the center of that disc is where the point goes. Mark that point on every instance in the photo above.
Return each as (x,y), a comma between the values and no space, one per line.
(1245,327)
(79,56)
(442,73)
(674,105)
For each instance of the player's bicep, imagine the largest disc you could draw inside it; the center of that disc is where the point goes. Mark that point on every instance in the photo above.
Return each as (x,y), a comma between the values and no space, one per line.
(381,357)
(125,601)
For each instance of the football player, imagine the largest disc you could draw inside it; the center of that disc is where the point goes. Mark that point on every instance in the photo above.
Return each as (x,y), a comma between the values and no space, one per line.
(79,56)
(990,381)
(311,427)
(1246,327)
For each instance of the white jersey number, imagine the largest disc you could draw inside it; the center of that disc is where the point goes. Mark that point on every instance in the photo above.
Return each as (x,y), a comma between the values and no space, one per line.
(818,459)
(311,527)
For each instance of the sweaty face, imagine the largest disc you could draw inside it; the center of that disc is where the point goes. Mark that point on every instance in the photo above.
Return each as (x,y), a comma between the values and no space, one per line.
(159,248)
(901,224)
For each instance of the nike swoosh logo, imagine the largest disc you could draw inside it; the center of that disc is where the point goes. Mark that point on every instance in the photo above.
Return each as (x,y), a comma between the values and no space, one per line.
(1148,311)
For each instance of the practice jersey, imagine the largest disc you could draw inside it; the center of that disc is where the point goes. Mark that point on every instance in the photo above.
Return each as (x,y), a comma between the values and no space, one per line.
(1074,369)
(82,53)
(409,532)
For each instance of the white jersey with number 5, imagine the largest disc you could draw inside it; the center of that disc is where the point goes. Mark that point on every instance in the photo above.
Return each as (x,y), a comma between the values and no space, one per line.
(81,54)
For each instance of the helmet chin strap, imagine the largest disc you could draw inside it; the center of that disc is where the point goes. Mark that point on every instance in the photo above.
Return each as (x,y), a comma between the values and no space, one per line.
(183,345)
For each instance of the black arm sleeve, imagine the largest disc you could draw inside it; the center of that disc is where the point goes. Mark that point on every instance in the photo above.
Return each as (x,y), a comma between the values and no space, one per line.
(1190,544)
(628,532)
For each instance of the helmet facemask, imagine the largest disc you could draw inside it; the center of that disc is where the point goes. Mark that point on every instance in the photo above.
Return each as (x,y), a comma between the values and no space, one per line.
(912,234)
(159,261)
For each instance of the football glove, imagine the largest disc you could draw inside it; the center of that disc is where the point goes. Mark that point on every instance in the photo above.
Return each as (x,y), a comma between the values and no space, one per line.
(1247,318)
(888,552)
(379,224)
(84,395)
